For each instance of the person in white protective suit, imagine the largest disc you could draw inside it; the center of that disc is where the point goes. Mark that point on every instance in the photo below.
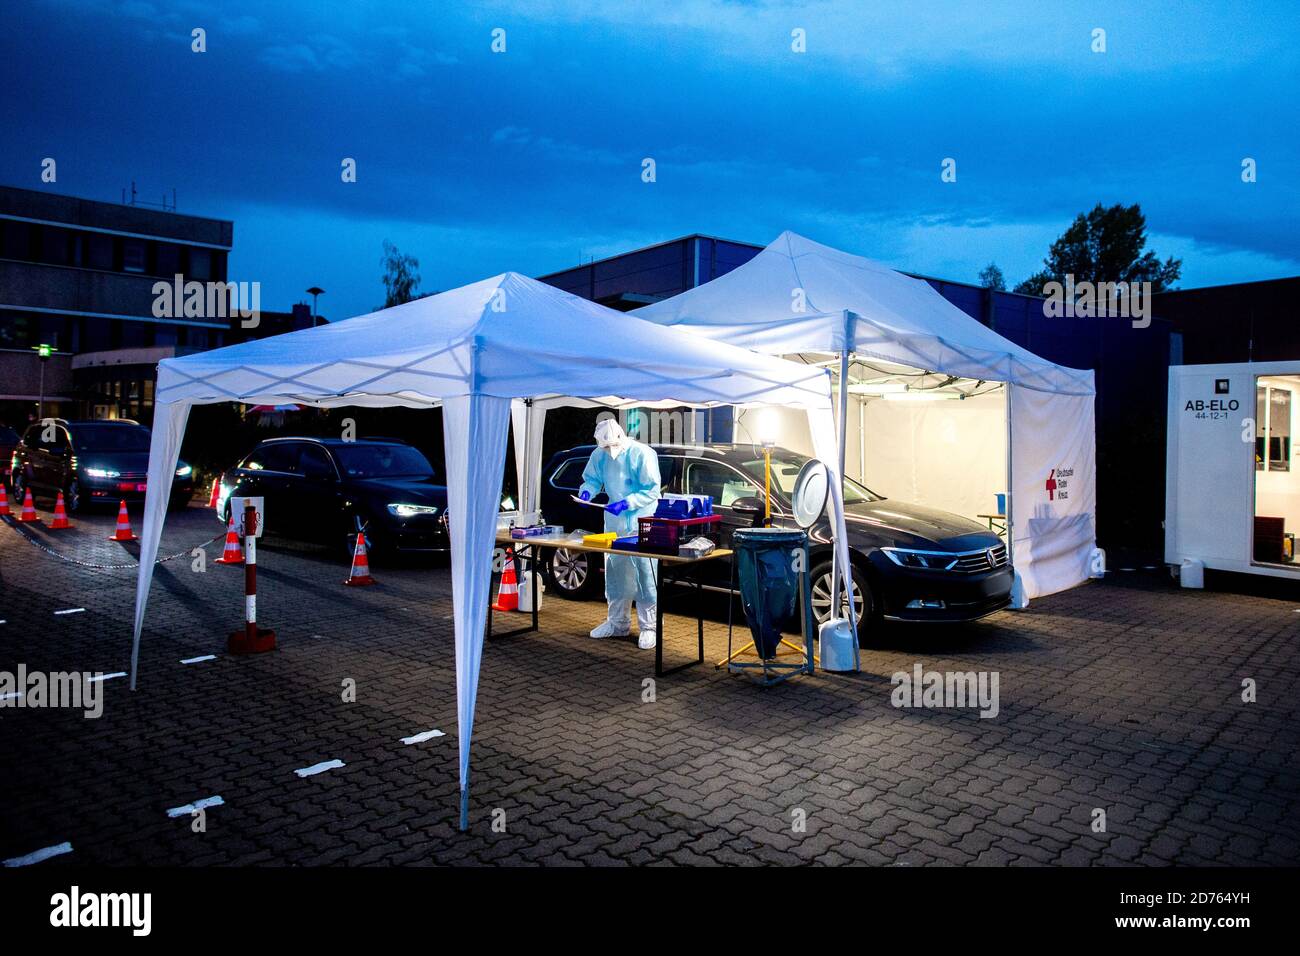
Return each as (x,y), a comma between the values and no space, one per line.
(628,472)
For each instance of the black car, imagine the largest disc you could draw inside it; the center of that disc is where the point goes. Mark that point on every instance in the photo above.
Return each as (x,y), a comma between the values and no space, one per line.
(325,489)
(9,440)
(90,462)
(910,563)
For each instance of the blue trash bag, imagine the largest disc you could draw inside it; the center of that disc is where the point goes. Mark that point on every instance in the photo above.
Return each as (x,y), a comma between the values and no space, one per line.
(769,583)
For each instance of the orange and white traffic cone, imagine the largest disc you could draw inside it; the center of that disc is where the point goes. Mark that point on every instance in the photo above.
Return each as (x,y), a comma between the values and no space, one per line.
(216,493)
(231,553)
(123,532)
(29,508)
(4,501)
(60,515)
(360,573)
(508,592)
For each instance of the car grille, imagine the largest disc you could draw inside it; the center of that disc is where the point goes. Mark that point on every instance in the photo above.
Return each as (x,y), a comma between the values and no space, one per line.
(972,562)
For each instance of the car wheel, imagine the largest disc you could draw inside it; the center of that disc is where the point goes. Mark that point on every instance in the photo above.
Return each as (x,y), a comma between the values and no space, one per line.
(72,497)
(863,600)
(571,573)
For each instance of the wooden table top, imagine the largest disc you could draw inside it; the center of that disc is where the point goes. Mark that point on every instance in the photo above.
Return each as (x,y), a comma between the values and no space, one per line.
(563,541)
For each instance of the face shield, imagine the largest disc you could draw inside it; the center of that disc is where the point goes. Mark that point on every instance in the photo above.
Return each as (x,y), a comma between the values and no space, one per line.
(611,437)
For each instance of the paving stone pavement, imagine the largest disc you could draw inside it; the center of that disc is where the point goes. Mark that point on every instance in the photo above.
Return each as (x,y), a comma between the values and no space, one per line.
(1122,696)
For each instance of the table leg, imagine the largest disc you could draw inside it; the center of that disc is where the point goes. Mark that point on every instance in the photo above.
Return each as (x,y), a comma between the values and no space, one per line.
(527,628)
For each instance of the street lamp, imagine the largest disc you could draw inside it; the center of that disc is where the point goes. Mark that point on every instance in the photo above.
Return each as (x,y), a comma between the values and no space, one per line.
(313,292)
(44,351)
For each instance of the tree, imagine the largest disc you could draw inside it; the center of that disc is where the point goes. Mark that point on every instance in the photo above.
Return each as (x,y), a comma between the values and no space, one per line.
(1105,245)
(991,278)
(401,276)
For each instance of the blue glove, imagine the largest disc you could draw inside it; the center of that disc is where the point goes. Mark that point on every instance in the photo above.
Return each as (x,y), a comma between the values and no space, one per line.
(584,495)
(616,508)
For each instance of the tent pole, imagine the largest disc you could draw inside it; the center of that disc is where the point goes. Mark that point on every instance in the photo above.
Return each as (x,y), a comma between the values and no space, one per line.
(1011,477)
(464,808)
(836,571)
(525,493)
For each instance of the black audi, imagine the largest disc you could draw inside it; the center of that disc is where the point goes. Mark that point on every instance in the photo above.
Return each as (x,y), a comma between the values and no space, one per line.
(326,489)
(910,563)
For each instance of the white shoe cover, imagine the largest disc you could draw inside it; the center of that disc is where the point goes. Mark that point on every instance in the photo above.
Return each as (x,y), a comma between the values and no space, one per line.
(647,620)
(612,629)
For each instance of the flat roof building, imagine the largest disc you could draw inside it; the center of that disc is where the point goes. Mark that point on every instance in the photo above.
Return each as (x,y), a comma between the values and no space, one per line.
(79,276)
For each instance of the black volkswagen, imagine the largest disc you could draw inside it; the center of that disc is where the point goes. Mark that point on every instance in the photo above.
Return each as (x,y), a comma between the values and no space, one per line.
(325,489)
(910,563)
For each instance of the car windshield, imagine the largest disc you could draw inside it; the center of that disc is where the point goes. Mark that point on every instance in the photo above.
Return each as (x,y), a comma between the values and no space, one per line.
(358,460)
(785,469)
(104,438)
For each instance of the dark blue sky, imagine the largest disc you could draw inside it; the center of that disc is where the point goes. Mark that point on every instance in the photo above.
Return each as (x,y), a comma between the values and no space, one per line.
(530,160)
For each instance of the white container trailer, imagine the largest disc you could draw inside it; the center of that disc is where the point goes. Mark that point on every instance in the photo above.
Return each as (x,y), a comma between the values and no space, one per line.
(1232,499)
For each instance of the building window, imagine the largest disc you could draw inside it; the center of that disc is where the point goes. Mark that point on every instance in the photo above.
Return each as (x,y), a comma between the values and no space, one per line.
(200,264)
(97,251)
(16,241)
(168,257)
(55,243)
(1272,428)
(133,258)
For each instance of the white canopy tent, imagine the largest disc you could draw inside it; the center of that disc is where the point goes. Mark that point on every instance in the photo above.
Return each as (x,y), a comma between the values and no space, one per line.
(471,350)
(798,297)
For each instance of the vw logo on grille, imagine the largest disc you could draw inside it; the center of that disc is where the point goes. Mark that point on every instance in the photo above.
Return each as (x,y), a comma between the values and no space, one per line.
(993,560)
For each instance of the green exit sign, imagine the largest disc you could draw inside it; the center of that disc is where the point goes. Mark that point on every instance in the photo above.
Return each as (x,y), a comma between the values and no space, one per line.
(44,351)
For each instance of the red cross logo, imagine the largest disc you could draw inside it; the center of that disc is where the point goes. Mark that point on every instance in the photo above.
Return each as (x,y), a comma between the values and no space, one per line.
(1051,486)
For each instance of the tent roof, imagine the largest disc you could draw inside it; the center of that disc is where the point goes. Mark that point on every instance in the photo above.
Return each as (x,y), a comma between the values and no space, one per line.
(800,296)
(508,337)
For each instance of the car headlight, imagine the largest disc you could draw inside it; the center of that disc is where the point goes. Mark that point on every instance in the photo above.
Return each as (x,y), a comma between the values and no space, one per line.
(921,560)
(101,473)
(184,471)
(410,511)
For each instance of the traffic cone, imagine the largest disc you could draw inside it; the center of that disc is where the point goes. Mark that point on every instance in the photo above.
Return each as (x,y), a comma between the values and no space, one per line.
(123,532)
(508,592)
(60,515)
(360,573)
(4,501)
(216,493)
(29,509)
(231,553)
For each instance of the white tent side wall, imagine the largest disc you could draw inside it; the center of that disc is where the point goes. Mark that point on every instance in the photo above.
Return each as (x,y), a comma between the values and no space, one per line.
(169,421)
(475,429)
(950,455)
(1053,502)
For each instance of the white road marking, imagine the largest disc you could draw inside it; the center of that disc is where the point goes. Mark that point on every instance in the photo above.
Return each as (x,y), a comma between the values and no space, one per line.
(189,808)
(199,660)
(40,855)
(71,610)
(100,677)
(319,768)
(421,738)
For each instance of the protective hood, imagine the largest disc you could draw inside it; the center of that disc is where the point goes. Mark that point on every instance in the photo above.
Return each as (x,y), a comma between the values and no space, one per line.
(611,437)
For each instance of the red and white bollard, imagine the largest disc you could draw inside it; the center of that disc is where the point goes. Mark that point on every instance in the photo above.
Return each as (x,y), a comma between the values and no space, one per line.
(252,639)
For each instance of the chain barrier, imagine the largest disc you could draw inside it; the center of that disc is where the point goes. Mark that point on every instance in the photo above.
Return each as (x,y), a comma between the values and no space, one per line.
(17,526)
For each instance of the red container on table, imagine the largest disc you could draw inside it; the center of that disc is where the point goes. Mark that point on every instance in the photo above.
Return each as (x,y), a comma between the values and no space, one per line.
(666,535)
